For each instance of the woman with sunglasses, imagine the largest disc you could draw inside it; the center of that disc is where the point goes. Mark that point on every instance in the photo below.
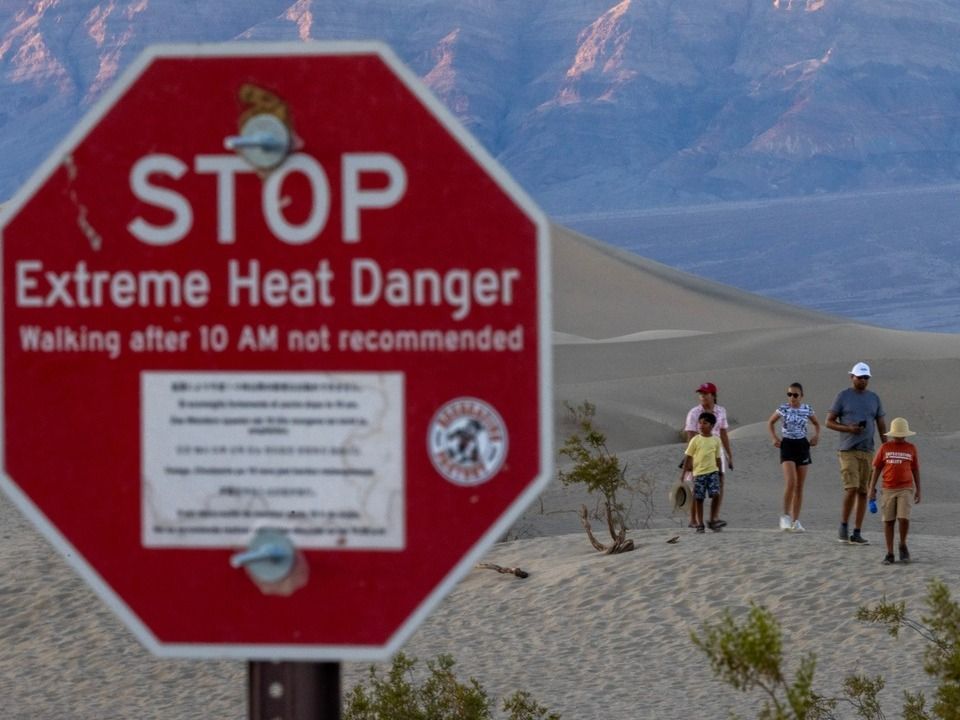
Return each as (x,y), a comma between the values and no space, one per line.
(794,451)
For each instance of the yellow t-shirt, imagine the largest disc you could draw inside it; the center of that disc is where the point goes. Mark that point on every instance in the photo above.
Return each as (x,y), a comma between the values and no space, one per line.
(704,451)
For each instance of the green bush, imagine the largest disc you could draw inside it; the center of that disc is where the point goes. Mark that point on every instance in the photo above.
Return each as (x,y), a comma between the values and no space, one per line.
(600,471)
(441,696)
(749,656)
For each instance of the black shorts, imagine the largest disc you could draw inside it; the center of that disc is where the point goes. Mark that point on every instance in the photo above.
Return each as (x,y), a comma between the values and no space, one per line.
(795,451)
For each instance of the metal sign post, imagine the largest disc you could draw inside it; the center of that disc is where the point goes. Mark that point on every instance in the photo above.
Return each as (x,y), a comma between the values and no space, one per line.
(294,691)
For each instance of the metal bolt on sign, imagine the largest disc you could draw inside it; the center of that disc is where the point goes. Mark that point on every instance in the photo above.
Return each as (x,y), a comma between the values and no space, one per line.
(269,558)
(264,141)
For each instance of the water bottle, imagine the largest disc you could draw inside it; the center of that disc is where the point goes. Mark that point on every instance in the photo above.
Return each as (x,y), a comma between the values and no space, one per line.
(873,506)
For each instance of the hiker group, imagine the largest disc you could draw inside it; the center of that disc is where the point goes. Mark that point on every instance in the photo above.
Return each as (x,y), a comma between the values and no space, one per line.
(858,415)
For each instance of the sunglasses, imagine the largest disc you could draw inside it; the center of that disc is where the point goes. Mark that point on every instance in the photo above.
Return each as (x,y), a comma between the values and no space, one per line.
(862,377)
(790,394)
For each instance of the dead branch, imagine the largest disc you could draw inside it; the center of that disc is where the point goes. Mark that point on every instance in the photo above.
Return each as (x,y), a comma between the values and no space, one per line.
(620,542)
(505,570)
(611,523)
(585,521)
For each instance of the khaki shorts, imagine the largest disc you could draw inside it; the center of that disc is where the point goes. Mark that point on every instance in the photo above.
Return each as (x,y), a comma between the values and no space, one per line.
(896,504)
(856,467)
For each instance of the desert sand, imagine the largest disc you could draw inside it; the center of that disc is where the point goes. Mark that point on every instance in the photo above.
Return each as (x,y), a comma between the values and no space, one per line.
(591,635)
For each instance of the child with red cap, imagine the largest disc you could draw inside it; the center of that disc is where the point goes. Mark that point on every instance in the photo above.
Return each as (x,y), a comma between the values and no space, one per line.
(708,403)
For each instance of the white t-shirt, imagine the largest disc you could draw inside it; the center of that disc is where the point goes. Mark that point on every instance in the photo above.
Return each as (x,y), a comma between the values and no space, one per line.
(693,418)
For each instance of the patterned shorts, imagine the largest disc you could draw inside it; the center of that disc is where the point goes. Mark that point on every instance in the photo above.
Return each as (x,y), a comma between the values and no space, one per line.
(706,485)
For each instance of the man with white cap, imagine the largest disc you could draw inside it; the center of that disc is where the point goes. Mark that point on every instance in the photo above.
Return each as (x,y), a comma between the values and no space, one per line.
(857,414)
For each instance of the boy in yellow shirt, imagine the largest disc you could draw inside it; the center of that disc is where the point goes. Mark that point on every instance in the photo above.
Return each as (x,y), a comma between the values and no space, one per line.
(702,458)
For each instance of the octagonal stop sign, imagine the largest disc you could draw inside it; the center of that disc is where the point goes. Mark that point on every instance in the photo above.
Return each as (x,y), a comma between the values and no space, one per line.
(274,290)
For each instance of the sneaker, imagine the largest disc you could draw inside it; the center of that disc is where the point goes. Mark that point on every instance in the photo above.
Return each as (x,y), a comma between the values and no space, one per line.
(858,539)
(888,560)
(904,554)
(785,522)
(843,536)
(797,527)
(701,529)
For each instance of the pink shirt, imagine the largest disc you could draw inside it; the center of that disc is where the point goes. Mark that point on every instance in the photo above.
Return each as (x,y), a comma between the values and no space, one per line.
(694,415)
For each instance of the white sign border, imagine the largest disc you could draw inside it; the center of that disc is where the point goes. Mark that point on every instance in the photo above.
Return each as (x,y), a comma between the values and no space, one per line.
(545,324)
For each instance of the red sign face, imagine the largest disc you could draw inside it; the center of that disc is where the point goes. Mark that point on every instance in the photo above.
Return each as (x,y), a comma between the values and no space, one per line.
(334,329)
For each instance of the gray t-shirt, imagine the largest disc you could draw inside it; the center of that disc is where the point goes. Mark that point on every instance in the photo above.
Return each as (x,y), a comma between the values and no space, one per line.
(852,407)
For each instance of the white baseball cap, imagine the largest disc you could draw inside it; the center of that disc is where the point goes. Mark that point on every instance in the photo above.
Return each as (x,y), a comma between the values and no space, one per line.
(860,369)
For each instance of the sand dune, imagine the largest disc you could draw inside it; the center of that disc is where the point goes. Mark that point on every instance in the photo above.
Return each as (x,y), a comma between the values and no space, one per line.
(600,291)
(749,346)
(609,636)
(590,635)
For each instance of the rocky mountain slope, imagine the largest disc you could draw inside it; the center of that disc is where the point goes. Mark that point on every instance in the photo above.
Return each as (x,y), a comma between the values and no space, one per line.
(593,105)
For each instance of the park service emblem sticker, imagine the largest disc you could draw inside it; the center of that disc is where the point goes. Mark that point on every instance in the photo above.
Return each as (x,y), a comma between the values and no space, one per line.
(467,441)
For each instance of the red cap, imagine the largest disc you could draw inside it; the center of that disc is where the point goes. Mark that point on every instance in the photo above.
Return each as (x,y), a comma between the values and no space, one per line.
(707,388)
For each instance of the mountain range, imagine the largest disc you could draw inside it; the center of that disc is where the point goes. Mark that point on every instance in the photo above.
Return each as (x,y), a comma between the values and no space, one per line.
(603,111)
(590,104)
